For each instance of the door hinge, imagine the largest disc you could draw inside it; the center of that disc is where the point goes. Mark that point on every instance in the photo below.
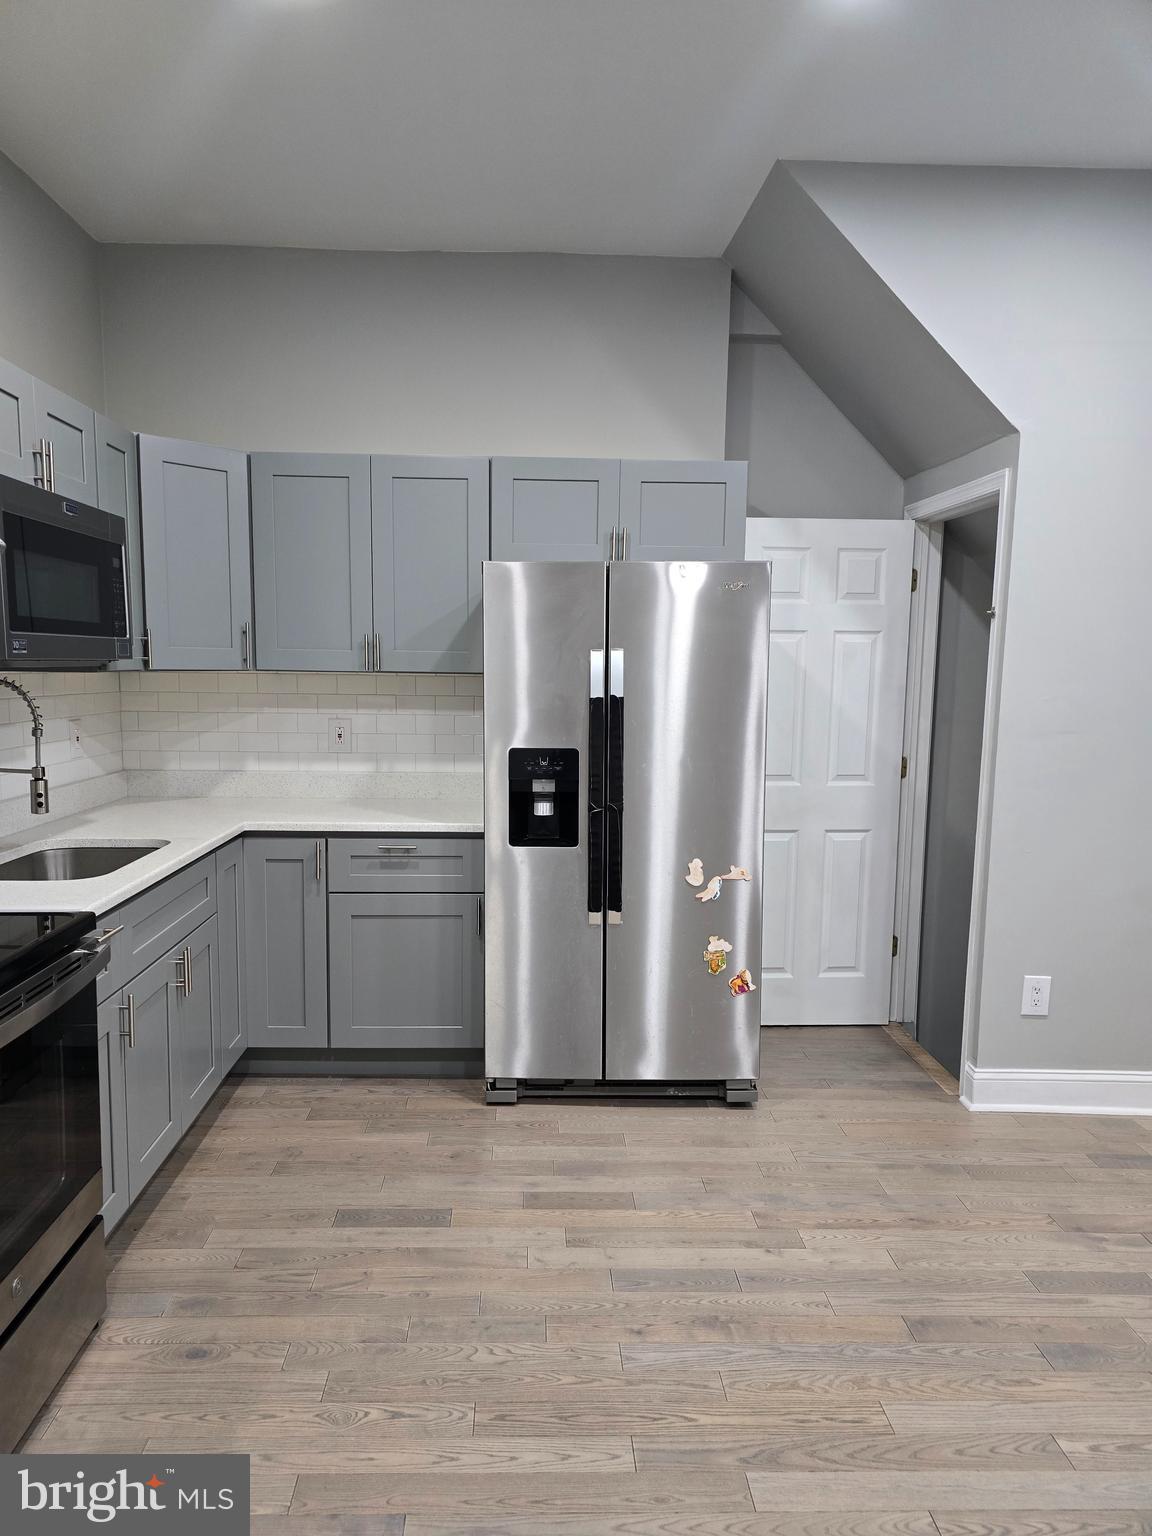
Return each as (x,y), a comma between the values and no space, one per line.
(895,946)
(915,578)
(903,767)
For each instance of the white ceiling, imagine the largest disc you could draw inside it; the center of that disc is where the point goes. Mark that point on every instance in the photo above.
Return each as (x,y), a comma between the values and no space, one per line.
(627,126)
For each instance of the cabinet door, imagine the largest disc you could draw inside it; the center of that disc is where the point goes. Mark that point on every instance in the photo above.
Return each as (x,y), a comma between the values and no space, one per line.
(17,423)
(429,544)
(151,1083)
(113,1113)
(312,538)
(197,566)
(407,971)
(286,941)
(554,509)
(230,932)
(196,1022)
(71,429)
(118,490)
(693,510)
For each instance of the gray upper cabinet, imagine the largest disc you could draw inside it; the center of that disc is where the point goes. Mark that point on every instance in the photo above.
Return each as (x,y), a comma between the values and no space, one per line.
(113,1114)
(554,509)
(232,951)
(197,570)
(312,541)
(17,423)
(691,510)
(118,491)
(70,429)
(407,971)
(429,543)
(286,941)
(196,1022)
(151,1082)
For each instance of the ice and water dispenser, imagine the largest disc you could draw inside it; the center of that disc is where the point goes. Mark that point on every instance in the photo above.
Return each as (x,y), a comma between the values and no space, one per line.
(543,797)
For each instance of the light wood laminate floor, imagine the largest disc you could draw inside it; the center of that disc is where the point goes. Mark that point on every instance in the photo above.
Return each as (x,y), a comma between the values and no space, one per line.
(854,1310)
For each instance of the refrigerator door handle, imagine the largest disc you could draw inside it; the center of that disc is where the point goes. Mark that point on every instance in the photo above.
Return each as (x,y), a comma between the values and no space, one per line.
(596,787)
(615,881)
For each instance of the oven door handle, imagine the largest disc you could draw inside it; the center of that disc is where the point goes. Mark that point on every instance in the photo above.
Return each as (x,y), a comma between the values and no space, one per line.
(47,1003)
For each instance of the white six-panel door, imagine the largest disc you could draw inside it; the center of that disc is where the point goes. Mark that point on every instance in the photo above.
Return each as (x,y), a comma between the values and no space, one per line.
(841,591)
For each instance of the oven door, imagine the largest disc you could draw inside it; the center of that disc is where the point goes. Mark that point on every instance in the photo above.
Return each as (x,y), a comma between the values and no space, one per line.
(50,1177)
(63,585)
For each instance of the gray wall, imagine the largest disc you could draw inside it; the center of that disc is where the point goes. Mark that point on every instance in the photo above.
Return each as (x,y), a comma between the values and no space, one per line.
(1039,284)
(49,298)
(967,566)
(996,457)
(426,353)
(805,459)
(869,352)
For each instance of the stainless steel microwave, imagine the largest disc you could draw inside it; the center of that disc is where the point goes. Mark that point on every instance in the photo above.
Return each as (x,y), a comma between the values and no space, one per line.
(63,593)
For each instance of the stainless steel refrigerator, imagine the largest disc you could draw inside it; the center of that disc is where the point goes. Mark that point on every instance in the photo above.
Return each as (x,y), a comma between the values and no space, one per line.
(624,715)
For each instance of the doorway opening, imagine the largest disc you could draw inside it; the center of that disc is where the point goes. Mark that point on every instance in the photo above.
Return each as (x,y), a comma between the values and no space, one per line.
(955,652)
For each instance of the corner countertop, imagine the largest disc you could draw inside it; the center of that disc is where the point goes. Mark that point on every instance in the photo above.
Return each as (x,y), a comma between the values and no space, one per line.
(189,829)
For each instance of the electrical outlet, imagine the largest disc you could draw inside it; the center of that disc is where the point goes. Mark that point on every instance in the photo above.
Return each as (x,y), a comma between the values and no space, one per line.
(73,738)
(1035,1000)
(339,736)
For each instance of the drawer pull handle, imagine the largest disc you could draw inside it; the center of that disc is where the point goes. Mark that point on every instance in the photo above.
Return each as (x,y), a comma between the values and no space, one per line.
(109,933)
(398,848)
(130,1033)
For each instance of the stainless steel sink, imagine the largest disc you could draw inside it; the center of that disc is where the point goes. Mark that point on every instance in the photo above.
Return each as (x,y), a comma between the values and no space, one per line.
(83,862)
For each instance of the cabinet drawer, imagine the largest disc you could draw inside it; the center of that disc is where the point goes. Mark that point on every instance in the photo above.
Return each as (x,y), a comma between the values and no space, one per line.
(158,919)
(394,862)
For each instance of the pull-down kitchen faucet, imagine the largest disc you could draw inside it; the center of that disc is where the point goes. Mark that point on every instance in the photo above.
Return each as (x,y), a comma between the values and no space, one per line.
(38,777)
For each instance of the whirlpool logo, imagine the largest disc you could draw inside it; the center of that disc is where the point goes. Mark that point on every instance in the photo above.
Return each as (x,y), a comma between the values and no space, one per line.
(182,1494)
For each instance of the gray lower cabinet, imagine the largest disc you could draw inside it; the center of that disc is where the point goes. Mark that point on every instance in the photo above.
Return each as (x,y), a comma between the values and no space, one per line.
(196,1022)
(197,560)
(692,510)
(312,544)
(554,509)
(407,971)
(232,952)
(429,544)
(118,489)
(151,1079)
(70,429)
(113,1111)
(286,941)
(17,423)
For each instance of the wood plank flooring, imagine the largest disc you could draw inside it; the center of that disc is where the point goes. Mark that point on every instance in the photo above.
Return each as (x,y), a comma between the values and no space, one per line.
(853,1310)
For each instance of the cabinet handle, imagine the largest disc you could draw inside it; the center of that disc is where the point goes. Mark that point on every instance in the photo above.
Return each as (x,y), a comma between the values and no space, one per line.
(109,933)
(480,917)
(50,460)
(40,452)
(182,982)
(147,648)
(188,969)
(398,848)
(376,653)
(367,652)
(624,542)
(245,659)
(319,858)
(129,1034)
(612,544)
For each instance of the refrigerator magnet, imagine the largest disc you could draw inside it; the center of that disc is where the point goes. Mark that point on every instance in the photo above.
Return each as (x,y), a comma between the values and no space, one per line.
(712,890)
(695,875)
(716,954)
(741,983)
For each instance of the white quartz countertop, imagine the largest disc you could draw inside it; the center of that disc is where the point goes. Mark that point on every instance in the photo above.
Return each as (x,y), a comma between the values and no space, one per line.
(189,829)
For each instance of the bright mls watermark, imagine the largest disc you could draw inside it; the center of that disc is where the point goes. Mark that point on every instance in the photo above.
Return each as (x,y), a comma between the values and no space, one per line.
(188,1495)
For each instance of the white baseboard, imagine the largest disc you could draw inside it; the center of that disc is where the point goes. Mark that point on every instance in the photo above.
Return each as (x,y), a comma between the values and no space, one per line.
(1018,1090)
